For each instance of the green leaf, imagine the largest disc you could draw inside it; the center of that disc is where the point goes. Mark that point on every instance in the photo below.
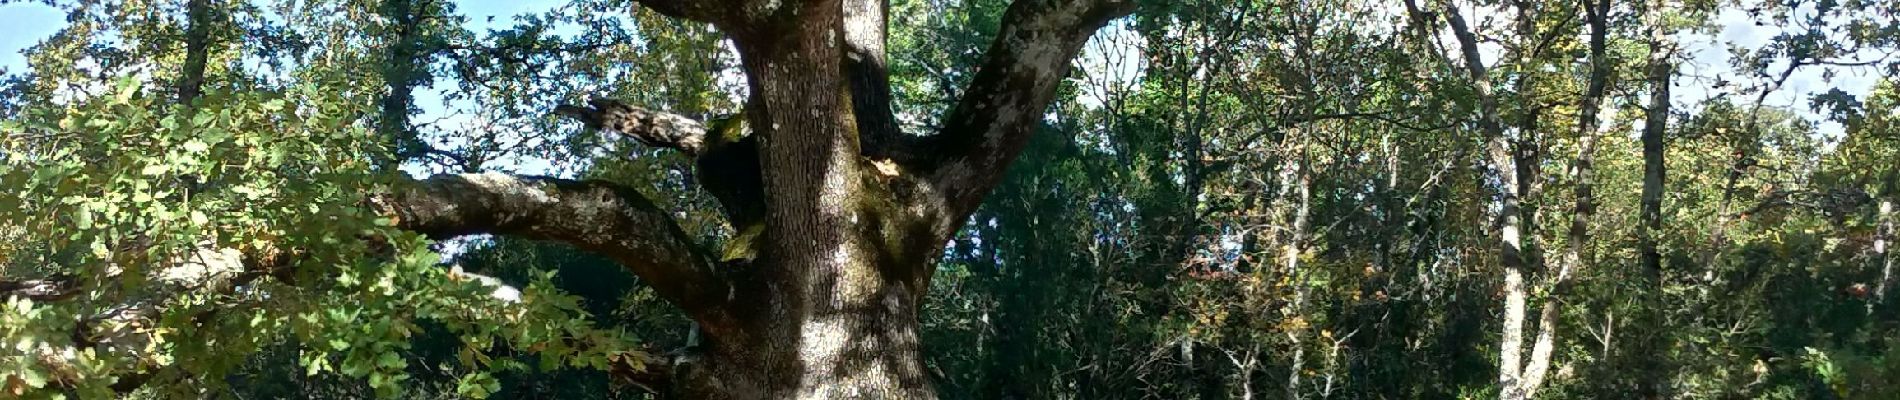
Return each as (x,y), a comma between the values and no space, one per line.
(389,360)
(127,87)
(33,377)
(82,219)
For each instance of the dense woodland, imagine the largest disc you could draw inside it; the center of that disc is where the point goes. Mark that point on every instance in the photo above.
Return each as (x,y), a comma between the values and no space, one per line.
(959,199)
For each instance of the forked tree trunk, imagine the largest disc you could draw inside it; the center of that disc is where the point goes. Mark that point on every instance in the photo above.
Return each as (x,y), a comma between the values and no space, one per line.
(850,214)
(825,315)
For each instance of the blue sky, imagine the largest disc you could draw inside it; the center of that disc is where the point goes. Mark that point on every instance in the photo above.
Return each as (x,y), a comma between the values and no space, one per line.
(22,24)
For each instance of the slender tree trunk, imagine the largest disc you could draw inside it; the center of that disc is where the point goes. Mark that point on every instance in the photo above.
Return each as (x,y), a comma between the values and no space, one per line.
(1501,159)
(1576,254)
(1883,240)
(1246,382)
(197,51)
(1296,191)
(1300,183)
(1656,120)
(1651,345)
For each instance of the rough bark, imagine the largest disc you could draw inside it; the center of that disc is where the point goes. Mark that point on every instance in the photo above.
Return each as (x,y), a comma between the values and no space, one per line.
(989,126)
(648,127)
(867,68)
(599,217)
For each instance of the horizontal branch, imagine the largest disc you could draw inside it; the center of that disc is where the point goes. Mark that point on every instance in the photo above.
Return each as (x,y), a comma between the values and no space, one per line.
(599,217)
(203,267)
(51,289)
(649,127)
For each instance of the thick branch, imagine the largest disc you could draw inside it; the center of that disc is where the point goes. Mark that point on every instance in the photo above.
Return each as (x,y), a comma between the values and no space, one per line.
(613,221)
(114,329)
(649,127)
(1005,101)
(609,220)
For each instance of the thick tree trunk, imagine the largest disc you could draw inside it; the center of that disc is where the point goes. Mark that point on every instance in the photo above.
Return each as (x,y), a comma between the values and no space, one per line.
(850,218)
(826,315)
(863,348)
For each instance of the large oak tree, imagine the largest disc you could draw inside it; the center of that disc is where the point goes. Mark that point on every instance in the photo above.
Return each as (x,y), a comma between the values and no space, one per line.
(841,215)
(849,212)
